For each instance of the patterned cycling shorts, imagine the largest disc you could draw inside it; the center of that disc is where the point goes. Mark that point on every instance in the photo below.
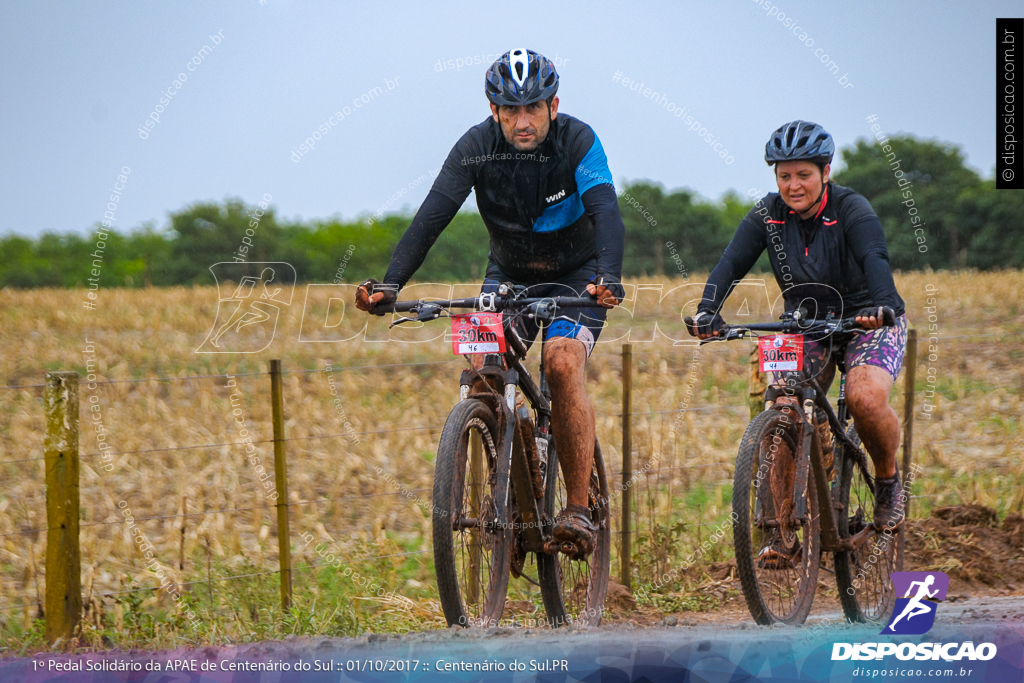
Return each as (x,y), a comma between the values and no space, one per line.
(883,348)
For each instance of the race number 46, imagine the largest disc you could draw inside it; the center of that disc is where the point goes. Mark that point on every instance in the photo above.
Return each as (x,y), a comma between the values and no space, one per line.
(477,333)
(781,352)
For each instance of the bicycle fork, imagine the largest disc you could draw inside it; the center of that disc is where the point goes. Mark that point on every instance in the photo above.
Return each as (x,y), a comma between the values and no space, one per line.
(806,460)
(507,380)
(513,476)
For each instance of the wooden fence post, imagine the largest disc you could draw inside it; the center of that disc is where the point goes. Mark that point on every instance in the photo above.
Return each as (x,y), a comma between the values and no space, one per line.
(908,407)
(284,543)
(63,555)
(625,557)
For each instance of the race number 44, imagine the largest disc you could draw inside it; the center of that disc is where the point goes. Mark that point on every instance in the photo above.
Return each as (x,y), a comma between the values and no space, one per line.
(781,352)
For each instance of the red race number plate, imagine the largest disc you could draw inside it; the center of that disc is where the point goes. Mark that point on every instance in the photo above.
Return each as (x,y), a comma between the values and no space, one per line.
(477,333)
(781,352)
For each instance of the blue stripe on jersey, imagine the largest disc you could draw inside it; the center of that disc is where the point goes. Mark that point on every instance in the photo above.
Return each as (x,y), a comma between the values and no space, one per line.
(560,215)
(593,170)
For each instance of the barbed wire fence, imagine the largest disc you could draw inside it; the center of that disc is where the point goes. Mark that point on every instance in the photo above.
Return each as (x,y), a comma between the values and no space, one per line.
(69,574)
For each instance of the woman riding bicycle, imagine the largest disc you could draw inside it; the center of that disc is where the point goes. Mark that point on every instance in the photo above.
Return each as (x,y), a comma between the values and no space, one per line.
(827,250)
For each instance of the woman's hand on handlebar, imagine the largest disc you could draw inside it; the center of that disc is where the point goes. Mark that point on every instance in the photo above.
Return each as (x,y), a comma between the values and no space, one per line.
(705,325)
(873,317)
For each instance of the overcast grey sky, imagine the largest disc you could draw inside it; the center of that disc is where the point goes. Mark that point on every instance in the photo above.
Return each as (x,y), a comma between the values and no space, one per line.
(78,80)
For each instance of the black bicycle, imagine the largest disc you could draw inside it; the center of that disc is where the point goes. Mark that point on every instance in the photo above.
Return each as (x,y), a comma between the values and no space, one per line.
(794,455)
(497,483)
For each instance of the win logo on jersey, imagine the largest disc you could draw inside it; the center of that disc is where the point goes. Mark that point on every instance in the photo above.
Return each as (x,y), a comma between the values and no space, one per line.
(914,613)
(555,197)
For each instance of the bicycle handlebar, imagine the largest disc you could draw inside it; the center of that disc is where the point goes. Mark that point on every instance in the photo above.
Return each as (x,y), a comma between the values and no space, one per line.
(499,303)
(794,326)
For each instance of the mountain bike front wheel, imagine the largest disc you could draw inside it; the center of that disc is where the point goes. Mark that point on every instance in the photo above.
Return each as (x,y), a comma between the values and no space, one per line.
(472,536)
(777,556)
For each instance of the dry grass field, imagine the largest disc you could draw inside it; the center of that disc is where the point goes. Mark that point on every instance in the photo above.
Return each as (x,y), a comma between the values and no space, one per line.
(177,464)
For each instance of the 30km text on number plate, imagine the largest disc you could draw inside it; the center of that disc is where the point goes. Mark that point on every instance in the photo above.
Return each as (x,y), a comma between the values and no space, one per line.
(477,333)
(781,352)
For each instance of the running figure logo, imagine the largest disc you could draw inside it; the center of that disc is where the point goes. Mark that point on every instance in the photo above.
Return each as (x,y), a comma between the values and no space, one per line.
(914,613)
(252,305)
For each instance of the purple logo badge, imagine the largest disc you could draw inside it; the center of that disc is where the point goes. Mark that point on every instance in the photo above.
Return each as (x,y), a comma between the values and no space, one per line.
(916,596)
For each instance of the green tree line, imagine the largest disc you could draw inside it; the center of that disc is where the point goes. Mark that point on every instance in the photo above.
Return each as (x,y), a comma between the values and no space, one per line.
(964,220)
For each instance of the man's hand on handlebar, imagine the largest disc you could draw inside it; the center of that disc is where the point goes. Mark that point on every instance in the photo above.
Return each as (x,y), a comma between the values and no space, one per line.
(371,294)
(604,294)
(873,317)
(705,325)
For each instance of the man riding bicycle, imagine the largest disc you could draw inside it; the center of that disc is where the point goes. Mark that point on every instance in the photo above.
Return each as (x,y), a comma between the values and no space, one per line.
(827,250)
(545,193)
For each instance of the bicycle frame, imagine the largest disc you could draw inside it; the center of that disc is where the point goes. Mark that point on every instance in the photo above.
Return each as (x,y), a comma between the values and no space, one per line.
(513,468)
(808,452)
(809,460)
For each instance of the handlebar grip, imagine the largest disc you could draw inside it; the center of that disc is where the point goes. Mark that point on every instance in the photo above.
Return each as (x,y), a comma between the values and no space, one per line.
(888,317)
(724,333)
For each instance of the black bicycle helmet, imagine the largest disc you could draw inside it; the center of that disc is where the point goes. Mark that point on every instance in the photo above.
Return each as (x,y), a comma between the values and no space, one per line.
(800,141)
(520,77)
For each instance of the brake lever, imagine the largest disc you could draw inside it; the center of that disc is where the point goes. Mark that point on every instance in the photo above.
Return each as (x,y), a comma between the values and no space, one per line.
(731,333)
(395,323)
(424,313)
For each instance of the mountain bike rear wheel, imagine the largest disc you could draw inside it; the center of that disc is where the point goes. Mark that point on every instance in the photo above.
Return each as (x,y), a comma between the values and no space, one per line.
(472,534)
(865,589)
(776,559)
(574,590)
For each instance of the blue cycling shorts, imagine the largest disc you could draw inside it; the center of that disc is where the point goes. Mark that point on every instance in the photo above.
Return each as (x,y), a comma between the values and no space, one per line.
(581,324)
